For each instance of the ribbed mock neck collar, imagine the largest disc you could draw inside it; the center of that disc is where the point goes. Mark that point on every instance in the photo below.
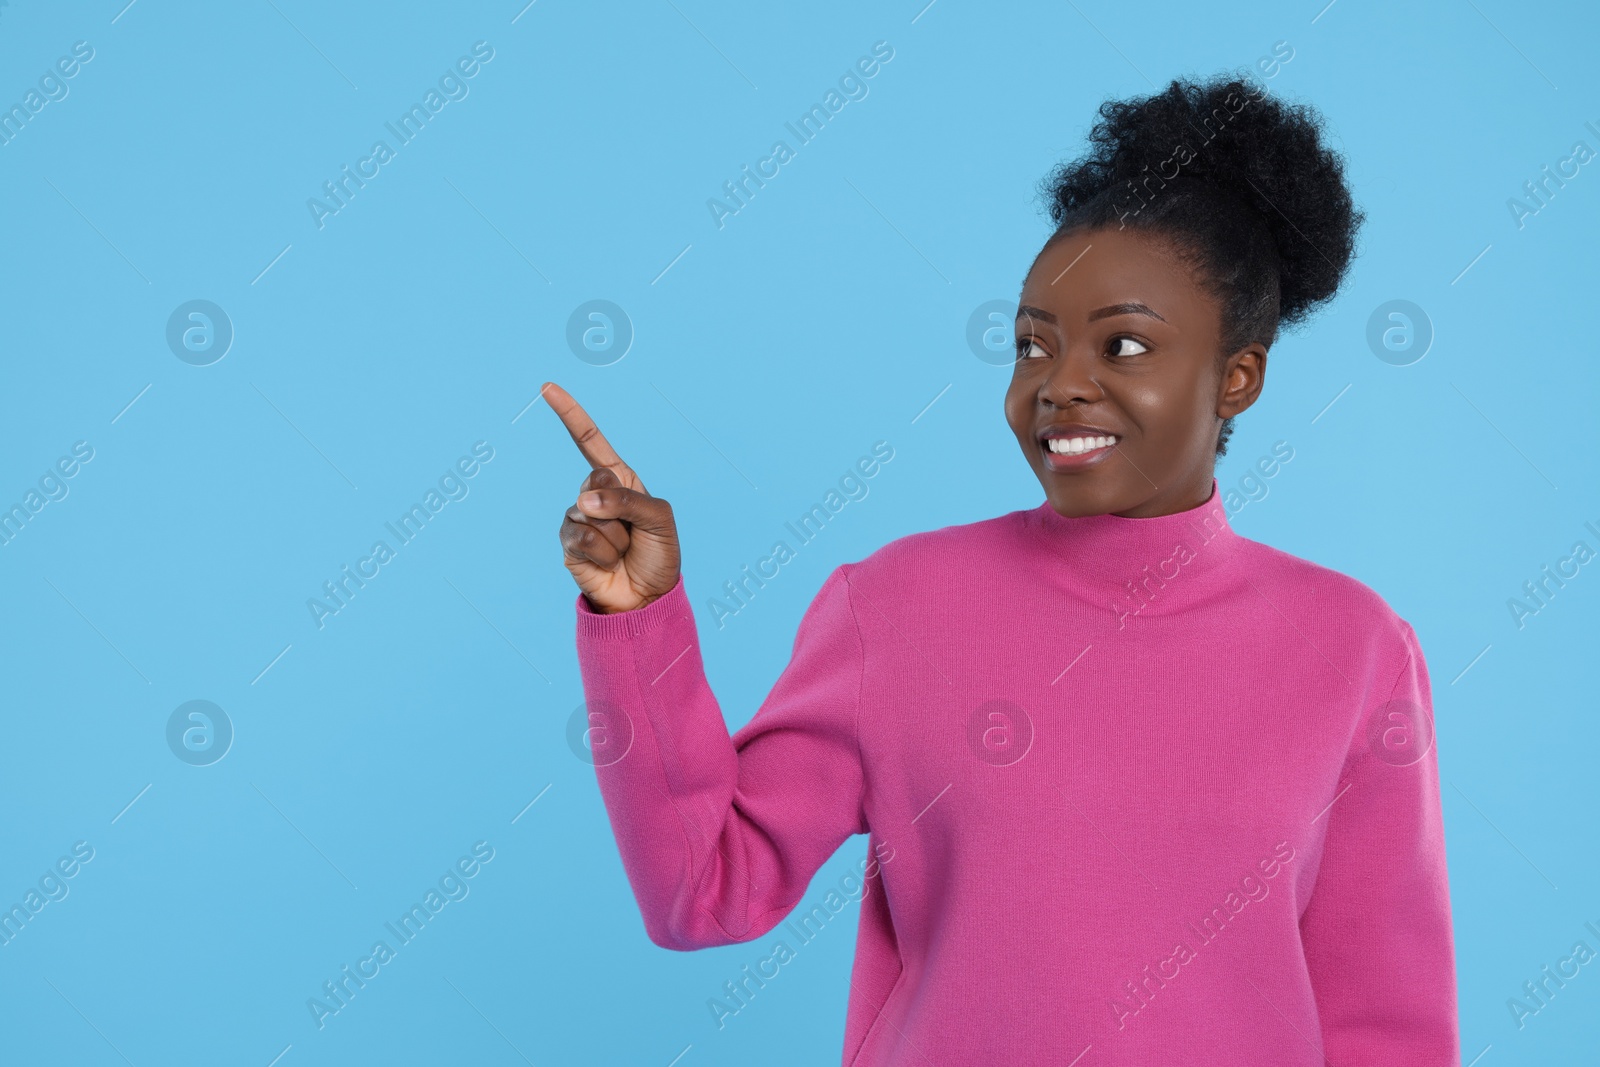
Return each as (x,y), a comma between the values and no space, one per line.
(1139,566)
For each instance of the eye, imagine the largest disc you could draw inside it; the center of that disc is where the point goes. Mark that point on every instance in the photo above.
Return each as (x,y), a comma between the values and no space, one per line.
(1027,347)
(1116,342)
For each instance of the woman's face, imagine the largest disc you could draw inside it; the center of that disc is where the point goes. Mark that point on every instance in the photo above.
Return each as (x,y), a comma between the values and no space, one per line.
(1116,337)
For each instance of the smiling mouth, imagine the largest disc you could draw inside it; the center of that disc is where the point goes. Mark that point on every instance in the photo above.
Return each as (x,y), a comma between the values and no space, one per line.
(1079,445)
(1077,451)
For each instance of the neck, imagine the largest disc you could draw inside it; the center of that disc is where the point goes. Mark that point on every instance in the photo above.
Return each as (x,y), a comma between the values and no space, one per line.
(1138,567)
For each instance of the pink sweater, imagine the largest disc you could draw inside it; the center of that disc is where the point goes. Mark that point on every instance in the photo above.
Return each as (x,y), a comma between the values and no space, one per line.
(1139,791)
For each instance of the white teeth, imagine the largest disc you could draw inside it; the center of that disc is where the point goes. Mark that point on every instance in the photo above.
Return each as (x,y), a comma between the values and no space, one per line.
(1075,445)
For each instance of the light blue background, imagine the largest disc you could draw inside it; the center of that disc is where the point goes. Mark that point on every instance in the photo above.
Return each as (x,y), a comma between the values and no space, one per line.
(825,316)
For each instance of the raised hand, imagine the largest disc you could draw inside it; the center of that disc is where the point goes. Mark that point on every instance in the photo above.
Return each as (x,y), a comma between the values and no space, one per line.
(620,543)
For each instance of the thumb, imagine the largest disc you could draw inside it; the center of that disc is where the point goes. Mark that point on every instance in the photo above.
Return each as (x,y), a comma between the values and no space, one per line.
(640,510)
(604,478)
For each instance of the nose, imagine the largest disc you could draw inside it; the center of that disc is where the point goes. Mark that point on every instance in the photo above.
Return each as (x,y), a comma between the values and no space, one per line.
(1070,381)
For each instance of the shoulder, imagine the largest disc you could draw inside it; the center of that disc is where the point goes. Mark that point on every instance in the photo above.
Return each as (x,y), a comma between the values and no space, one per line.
(1329,599)
(961,561)
(960,547)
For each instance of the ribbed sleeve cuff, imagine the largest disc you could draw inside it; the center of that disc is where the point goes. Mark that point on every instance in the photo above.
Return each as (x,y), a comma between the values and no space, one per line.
(628,624)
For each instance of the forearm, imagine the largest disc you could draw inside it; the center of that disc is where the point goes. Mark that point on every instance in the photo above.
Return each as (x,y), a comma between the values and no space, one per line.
(719,835)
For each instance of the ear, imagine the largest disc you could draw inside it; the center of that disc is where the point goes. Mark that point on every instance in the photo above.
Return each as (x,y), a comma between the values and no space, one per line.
(1243,374)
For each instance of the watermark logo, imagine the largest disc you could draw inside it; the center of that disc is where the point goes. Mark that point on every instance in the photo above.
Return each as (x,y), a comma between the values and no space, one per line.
(1138,188)
(453,886)
(340,191)
(805,925)
(52,88)
(1399,332)
(52,486)
(999,732)
(599,732)
(1543,989)
(738,192)
(739,592)
(453,485)
(51,887)
(199,332)
(599,332)
(199,733)
(1539,191)
(1270,66)
(1252,887)
(991,332)
(1540,591)
(1400,732)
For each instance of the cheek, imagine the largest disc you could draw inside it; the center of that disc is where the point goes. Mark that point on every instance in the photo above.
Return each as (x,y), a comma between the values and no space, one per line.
(1171,411)
(1156,403)
(1019,405)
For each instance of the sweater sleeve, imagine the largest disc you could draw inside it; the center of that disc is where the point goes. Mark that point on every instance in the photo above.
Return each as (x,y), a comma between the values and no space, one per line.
(721,835)
(1377,931)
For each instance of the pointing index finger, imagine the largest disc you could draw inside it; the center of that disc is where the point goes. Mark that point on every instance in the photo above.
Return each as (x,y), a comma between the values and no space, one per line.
(585,434)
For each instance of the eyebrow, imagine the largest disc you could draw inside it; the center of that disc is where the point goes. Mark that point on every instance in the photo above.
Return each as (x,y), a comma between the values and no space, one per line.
(1132,307)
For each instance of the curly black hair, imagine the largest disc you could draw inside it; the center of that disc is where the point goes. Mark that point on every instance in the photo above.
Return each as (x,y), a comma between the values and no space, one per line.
(1240,183)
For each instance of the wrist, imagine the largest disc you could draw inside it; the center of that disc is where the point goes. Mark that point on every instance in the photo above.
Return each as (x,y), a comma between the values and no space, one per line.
(658,610)
(599,609)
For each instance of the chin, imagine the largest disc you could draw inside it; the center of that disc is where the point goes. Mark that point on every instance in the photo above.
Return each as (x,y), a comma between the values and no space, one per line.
(1074,495)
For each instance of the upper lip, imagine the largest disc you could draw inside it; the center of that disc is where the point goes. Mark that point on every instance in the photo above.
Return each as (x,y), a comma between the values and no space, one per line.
(1076,429)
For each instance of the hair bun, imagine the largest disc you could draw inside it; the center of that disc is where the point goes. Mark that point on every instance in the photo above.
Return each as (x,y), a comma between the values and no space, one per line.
(1168,159)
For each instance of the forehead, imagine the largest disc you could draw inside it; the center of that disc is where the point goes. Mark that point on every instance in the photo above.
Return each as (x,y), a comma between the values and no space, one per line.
(1087,269)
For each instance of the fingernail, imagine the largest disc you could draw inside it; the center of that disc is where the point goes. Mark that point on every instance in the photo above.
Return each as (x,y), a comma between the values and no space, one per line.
(589,501)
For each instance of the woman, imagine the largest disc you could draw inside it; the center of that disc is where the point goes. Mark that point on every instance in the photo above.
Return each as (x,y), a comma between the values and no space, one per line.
(1139,789)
